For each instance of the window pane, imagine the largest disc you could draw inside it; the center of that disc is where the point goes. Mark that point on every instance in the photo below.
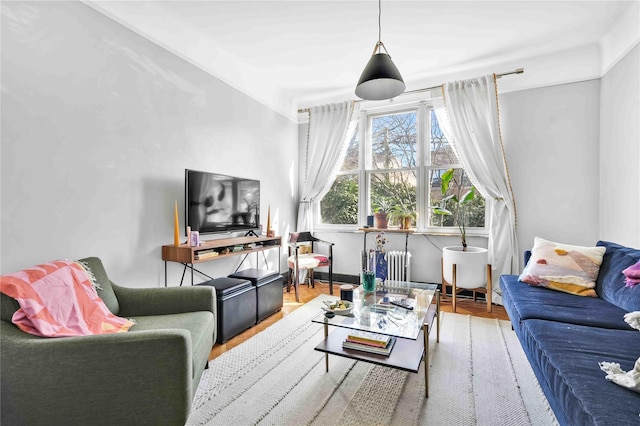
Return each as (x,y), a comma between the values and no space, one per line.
(393,190)
(353,150)
(393,141)
(472,212)
(441,152)
(340,205)
(475,212)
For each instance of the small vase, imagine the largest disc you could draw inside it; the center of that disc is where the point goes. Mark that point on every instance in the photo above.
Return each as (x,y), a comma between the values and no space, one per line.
(381,266)
(369,281)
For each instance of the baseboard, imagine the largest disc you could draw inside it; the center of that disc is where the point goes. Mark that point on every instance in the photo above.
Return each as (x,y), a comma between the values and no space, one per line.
(337,278)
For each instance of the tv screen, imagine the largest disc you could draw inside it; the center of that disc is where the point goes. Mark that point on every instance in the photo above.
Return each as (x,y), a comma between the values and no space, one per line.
(221,203)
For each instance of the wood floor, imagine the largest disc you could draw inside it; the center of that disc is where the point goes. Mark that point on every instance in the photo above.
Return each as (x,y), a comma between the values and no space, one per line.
(307,294)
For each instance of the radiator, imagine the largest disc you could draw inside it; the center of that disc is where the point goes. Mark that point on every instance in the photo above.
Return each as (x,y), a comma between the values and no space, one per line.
(395,260)
(396,265)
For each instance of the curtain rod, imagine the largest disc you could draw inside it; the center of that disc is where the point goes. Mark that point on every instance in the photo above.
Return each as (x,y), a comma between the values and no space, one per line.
(516,71)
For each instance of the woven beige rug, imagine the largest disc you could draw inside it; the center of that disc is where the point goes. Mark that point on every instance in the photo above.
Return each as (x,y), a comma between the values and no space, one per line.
(478,376)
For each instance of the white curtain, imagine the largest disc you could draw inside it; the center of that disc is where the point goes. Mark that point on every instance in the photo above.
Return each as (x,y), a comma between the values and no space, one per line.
(470,121)
(330,130)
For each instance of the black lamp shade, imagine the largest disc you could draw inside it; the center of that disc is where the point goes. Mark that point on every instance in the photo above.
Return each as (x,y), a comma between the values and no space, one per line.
(380,79)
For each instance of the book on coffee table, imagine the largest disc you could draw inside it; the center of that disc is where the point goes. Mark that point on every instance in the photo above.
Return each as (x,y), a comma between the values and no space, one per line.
(386,350)
(373,339)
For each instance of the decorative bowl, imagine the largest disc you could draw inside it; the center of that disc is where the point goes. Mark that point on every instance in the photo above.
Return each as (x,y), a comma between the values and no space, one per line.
(339,307)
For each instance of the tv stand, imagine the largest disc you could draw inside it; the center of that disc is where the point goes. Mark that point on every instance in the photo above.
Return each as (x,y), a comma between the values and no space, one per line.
(218,249)
(251,233)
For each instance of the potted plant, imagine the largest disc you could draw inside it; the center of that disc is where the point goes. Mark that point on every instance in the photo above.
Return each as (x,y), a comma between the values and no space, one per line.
(381,213)
(404,216)
(470,262)
(452,196)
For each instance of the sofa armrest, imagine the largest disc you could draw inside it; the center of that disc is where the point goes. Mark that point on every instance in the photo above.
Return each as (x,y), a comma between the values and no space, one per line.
(164,301)
(125,378)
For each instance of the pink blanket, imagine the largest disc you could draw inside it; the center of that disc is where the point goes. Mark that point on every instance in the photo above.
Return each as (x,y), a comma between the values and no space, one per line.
(632,274)
(58,299)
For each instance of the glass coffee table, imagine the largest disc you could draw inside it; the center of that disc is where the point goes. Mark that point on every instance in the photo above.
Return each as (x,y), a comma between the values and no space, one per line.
(377,313)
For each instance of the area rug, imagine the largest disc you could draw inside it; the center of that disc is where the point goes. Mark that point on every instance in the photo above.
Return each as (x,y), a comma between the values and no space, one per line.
(479,375)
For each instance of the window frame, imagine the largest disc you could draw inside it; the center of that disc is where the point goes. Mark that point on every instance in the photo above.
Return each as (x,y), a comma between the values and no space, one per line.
(423,167)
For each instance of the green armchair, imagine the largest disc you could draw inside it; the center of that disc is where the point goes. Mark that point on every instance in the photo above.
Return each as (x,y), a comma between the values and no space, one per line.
(147,375)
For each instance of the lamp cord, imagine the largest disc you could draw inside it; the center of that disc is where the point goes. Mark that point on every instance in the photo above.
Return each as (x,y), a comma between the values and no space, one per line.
(379,21)
(379,44)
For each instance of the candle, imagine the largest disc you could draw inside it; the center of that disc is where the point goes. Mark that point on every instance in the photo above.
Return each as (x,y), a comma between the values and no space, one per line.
(176,230)
(269,221)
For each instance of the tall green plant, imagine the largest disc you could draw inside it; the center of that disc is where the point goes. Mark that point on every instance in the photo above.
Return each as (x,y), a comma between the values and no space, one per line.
(457,200)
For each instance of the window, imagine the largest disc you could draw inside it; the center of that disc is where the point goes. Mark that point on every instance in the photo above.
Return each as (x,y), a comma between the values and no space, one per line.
(396,161)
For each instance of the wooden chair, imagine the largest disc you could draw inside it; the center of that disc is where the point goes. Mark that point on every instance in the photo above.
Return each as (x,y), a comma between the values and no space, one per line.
(303,257)
(455,289)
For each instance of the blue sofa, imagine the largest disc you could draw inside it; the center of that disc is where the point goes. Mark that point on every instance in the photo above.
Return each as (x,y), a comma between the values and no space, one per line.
(565,337)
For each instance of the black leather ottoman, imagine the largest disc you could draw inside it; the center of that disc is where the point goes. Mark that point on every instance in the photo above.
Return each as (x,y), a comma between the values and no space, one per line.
(268,286)
(236,306)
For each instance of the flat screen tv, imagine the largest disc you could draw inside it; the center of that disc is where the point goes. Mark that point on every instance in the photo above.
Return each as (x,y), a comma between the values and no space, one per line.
(220,203)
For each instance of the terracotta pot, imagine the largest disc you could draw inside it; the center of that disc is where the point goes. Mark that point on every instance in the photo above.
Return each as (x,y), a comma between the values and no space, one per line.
(405,222)
(471,266)
(381,220)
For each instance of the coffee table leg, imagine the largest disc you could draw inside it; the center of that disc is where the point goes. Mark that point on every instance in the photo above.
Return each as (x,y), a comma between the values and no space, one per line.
(326,355)
(438,314)
(425,332)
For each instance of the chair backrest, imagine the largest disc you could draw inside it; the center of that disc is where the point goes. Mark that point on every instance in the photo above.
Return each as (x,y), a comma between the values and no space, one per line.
(301,237)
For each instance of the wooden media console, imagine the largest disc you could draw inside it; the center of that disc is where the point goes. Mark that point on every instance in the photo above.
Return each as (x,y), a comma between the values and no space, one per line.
(217,249)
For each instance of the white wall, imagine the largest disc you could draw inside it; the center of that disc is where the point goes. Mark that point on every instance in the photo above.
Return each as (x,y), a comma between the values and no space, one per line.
(620,152)
(551,141)
(98,125)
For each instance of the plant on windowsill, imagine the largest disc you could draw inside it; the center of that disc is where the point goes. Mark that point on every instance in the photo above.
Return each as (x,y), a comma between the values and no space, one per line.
(381,213)
(404,216)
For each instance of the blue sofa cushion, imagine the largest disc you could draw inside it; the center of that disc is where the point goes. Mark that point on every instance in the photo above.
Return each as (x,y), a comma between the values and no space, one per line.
(610,284)
(567,356)
(524,302)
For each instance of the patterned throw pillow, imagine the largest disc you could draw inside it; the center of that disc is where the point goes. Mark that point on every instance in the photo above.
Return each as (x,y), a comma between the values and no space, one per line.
(563,267)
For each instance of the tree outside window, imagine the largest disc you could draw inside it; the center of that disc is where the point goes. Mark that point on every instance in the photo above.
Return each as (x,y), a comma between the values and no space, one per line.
(392,167)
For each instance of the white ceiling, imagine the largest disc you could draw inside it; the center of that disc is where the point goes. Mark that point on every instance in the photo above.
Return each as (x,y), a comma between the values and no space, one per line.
(293,54)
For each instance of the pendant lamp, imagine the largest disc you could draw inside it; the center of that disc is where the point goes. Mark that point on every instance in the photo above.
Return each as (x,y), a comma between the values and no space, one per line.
(380,78)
